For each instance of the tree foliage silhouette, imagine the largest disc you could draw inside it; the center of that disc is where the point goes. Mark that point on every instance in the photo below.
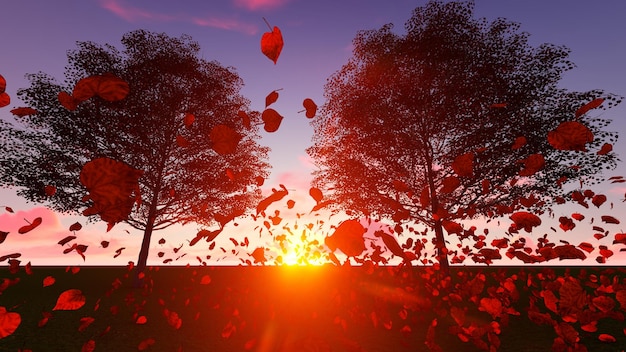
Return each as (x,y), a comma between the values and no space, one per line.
(152,129)
(450,121)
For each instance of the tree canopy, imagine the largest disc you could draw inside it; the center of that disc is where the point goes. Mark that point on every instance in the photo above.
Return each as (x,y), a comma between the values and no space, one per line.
(155,111)
(457,118)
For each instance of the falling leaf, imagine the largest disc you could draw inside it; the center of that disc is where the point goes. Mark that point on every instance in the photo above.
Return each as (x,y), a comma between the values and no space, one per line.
(463,165)
(347,237)
(271,98)
(316,194)
(3,236)
(606,148)
(310,108)
(141,320)
(65,240)
(26,228)
(606,338)
(598,200)
(108,87)
(271,119)
(104,244)
(23,111)
(182,141)
(189,119)
(5,99)
(85,322)
(274,197)
(89,346)
(245,119)
(571,135)
(67,101)
(525,220)
(272,44)
(71,299)
(9,321)
(76,226)
(3,84)
(224,139)
(206,279)
(48,281)
(49,190)
(609,219)
(145,344)
(111,185)
(118,252)
(259,255)
(532,164)
(519,142)
(590,105)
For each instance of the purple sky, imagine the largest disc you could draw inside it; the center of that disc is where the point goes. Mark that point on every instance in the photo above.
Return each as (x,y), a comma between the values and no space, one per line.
(317,35)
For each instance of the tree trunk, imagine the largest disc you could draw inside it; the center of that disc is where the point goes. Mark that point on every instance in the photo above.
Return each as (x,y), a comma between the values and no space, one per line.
(442,250)
(142,261)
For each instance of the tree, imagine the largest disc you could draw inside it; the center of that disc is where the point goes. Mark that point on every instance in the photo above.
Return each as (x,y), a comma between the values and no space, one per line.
(180,125)
(456,119)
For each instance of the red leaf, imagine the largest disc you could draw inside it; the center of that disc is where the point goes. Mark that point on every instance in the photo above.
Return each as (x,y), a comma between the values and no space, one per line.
(67,101)
(5,99)
(272,44)
(48,281)
(245,119)
(571,135)
(590,105)
(141,320)
(76,226)
(606,148)
(271,98)
(3,236)
(89,346)
(26,228)
(224,139)
(519,142)
(532,164)
(9,321)
(525,220)
(145,344)
(310,107)
(606,338)
(598,200)
(609,219)
(348,237)
(65,240)
(23,111)
(206,279)
(463,165)
(316,194)
(271,119)
(71,299)
(107,86)
(3,84)
(188,119)
(493,306)
(111,185)
(182,141)
(85,322)
(259,255)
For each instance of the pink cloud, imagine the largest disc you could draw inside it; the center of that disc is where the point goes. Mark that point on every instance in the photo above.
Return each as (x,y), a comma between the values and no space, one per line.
(254,5)
(226,24)
(131,13)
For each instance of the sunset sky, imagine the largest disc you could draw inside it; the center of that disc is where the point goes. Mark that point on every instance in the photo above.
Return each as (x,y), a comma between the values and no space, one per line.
(36,35)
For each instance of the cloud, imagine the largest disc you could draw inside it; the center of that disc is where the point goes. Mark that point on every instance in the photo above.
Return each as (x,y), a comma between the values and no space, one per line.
(254,5)
(226,24)
(134,14)
(131,13)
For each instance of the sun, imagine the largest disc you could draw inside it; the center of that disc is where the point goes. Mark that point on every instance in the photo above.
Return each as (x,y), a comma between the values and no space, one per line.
(300,254)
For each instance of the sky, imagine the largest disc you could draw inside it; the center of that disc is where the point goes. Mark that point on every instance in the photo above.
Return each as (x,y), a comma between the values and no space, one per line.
(318,37)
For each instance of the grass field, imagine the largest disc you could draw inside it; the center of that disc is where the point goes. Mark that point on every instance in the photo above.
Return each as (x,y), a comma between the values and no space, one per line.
(306,309)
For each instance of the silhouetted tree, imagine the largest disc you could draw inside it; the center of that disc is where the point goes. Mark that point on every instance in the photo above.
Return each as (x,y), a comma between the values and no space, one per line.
(450,121)
(184,179)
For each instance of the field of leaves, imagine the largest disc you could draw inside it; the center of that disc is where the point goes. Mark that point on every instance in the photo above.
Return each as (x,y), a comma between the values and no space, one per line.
(326,308)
